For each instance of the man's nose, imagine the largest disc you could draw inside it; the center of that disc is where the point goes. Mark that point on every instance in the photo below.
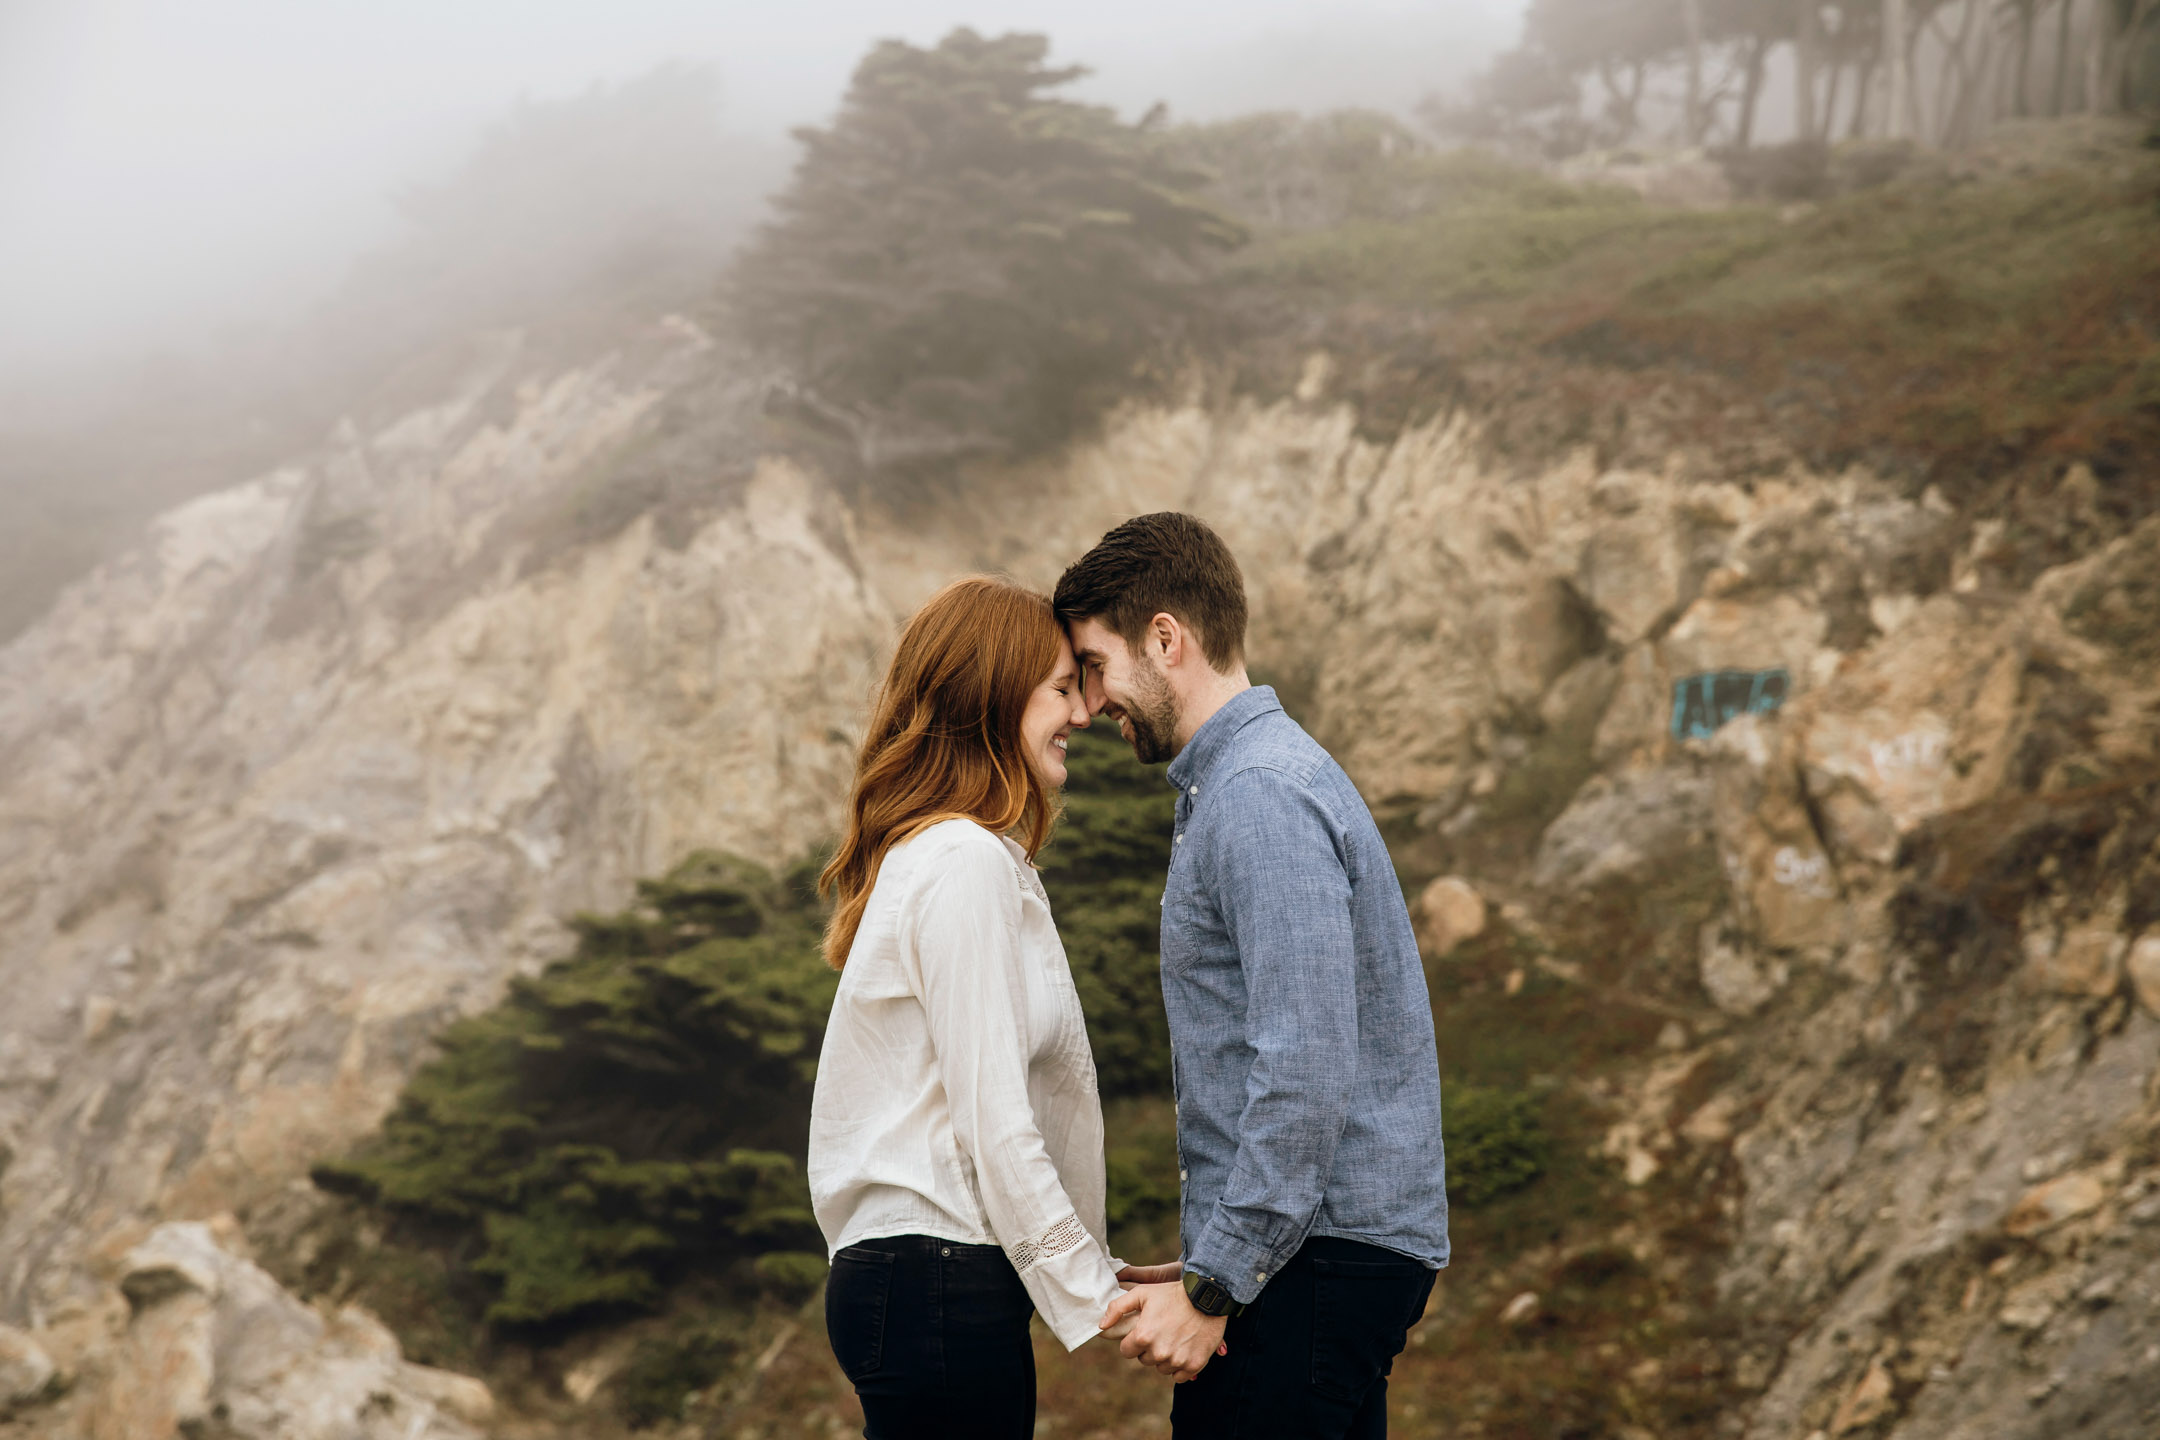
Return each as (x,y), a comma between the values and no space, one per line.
(1091,690)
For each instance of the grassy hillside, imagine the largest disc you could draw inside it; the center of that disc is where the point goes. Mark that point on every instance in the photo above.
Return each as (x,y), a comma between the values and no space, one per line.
(1980,322)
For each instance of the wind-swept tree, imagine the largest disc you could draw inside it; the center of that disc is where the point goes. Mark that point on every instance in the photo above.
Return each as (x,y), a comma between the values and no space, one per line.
(966,261)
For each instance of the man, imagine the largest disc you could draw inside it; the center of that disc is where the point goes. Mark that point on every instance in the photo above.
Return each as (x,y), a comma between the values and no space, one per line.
(1314,1207)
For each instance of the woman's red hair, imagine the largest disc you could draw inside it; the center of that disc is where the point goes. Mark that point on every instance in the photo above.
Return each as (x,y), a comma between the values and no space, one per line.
(944,736)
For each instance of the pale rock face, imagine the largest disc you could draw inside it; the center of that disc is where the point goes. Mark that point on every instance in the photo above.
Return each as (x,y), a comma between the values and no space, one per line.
(211,1343)
(25,1370)
(2082,960)
(1624,827)
(2143,964)
(1944,732)
(2064,1198)
(269,819)
(1449,911)
(1738,980)
(326,762)
(1921,727)
(1866,1402)
(1783,882)
(1633,564)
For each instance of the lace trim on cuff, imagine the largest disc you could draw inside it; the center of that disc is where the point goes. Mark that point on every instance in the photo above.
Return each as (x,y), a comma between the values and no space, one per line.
(1062,1238)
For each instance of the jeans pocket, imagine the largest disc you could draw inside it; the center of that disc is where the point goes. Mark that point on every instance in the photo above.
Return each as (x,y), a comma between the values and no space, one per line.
(1361,1321)
(856,1296)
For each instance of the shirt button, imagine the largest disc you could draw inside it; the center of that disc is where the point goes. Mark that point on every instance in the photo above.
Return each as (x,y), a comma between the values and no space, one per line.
(1180,839)
(1260,1275)
(1194,791)
(1181,1175)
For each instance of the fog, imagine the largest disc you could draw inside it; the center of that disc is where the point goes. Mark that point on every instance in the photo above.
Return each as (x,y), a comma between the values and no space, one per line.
(177,178)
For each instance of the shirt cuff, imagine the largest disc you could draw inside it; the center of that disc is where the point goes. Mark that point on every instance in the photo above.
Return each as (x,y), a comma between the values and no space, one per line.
(1239,1266)
(1072,1292)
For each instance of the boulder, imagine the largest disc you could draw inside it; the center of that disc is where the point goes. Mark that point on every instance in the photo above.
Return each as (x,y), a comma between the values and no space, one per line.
(213,1342)
(2062,1199)
(1868,1400)
(1632,563)
(1449,911)
(2080,960)
(2032,1303)
(1926,722)
(26,1371)
(1784,885)
(1737,980)
(2143,964)
(1624,826)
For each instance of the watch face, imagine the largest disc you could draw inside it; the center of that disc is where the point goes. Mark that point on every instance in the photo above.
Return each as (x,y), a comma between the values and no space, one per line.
(1210,1298)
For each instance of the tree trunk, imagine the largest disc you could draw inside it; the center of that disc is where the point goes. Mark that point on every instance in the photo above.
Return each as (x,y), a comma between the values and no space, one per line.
(2060,100)
(1866,70)
(2027,12)
(2097,101)
(1897,31)
(1830,99)
(2122,49)
(1751,90)
(1691,19)
(1955,78)
(1982,89)
(1807,54)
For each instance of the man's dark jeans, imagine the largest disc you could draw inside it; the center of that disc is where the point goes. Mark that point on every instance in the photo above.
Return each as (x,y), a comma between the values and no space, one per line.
(1309,1360)
(934,1335)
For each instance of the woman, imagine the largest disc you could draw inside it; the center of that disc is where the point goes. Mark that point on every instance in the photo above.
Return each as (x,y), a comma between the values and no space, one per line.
(956,1142)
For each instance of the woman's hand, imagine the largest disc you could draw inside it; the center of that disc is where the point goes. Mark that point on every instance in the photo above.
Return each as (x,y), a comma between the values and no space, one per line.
(1133,1275)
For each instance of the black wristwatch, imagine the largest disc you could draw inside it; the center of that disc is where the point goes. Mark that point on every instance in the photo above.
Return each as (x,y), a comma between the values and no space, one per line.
(1208,1295)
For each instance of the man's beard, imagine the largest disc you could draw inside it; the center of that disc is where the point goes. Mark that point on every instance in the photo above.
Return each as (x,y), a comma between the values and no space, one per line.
(1152,714)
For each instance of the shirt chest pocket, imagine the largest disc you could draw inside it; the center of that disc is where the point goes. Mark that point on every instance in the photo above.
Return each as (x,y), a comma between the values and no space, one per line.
(1192,930)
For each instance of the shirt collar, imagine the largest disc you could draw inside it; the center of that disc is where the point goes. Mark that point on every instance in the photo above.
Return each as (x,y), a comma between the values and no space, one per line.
(1210,740)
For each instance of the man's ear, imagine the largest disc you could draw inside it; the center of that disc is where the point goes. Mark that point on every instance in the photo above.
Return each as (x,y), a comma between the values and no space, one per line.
(1168,638)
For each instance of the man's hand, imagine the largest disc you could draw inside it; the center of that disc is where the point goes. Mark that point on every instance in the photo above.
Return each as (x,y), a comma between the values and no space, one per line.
(1167,1333)
(1151,1274)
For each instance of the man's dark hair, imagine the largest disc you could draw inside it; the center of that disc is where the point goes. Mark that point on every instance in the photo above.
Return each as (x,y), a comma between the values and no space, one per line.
(1165,563)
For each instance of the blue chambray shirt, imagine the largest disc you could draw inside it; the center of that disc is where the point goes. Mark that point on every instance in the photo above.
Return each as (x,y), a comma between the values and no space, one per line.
(1301,1033)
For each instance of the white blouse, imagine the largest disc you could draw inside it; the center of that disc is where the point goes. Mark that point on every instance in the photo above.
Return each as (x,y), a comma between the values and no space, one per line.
(956,1089)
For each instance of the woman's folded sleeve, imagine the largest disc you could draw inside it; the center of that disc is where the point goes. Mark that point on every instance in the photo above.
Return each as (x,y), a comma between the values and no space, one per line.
(962,943)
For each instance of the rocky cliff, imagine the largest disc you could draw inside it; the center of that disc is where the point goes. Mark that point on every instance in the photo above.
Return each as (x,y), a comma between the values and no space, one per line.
(328,760)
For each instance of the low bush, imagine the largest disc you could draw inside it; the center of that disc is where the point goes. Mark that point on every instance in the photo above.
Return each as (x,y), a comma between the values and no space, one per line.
(1496,1143)
(1104,873)
(636,1111)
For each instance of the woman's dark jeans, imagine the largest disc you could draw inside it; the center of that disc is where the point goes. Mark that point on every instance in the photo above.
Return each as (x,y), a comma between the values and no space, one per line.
(1309,1360)
(934,1335)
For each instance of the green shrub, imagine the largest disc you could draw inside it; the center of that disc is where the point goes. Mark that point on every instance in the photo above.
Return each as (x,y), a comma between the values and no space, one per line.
(665,1375)
(1104,873)
(790,1275)
(1496,1143)
(635,1111)
(1140,1156)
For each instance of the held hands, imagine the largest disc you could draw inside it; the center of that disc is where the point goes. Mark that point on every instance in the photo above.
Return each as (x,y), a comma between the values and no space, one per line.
(1133,1275)
(1162,1330)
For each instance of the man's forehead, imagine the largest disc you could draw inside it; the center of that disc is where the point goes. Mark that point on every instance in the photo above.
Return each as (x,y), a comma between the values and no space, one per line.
(1090,638)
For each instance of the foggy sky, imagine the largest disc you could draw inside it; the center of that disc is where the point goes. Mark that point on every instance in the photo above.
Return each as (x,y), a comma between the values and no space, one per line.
(169,172)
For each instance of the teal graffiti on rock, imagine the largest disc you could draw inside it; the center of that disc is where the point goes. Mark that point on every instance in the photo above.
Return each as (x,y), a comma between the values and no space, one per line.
(1701,703)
